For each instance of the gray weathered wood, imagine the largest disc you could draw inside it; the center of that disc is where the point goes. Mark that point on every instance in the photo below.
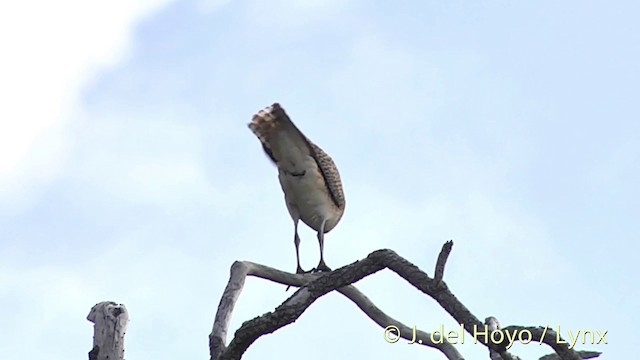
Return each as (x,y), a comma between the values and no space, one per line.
(110,324)
(111,319)
(241,269)
(316,285)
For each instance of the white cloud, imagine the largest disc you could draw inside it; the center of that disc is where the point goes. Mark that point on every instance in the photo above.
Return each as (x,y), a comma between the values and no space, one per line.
(51,50)
(211,5)
(286,14)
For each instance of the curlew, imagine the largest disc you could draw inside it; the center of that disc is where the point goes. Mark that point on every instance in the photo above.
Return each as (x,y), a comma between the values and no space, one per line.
(308,176)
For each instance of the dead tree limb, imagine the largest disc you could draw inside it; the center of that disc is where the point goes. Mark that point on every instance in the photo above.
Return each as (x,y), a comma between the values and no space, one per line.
(239,271)
(584,354)
(442,260)
(317,285)
(384,320)
(110,324)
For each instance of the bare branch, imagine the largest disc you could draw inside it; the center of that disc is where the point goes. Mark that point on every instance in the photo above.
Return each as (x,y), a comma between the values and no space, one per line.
(382,319)
(321,283)
(240,270)
(551,338)
(110,321)
(291,309)
(493,324)
(583,355)
(442,260)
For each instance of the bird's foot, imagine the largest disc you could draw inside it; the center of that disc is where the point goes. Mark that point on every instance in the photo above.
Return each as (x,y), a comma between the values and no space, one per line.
(321,267)
(300,271)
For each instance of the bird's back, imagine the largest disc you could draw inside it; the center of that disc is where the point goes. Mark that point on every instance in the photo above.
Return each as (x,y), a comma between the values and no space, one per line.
(308,176)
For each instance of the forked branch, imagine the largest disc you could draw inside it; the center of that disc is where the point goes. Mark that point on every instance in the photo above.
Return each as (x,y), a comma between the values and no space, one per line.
(313,286)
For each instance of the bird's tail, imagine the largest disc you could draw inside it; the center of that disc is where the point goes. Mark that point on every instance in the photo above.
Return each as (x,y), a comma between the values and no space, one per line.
(268,121)
(272,125)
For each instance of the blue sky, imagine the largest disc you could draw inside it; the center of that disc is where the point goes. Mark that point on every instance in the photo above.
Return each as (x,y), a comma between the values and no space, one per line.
(128,172)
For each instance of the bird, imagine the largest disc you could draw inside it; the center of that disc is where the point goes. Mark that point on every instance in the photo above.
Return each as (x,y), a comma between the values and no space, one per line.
(308,176)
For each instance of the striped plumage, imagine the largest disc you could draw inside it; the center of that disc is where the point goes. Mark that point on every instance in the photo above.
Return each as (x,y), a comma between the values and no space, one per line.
(308,176)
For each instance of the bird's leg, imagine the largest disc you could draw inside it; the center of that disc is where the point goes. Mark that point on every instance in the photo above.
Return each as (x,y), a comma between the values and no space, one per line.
(296,241)
(321,265)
